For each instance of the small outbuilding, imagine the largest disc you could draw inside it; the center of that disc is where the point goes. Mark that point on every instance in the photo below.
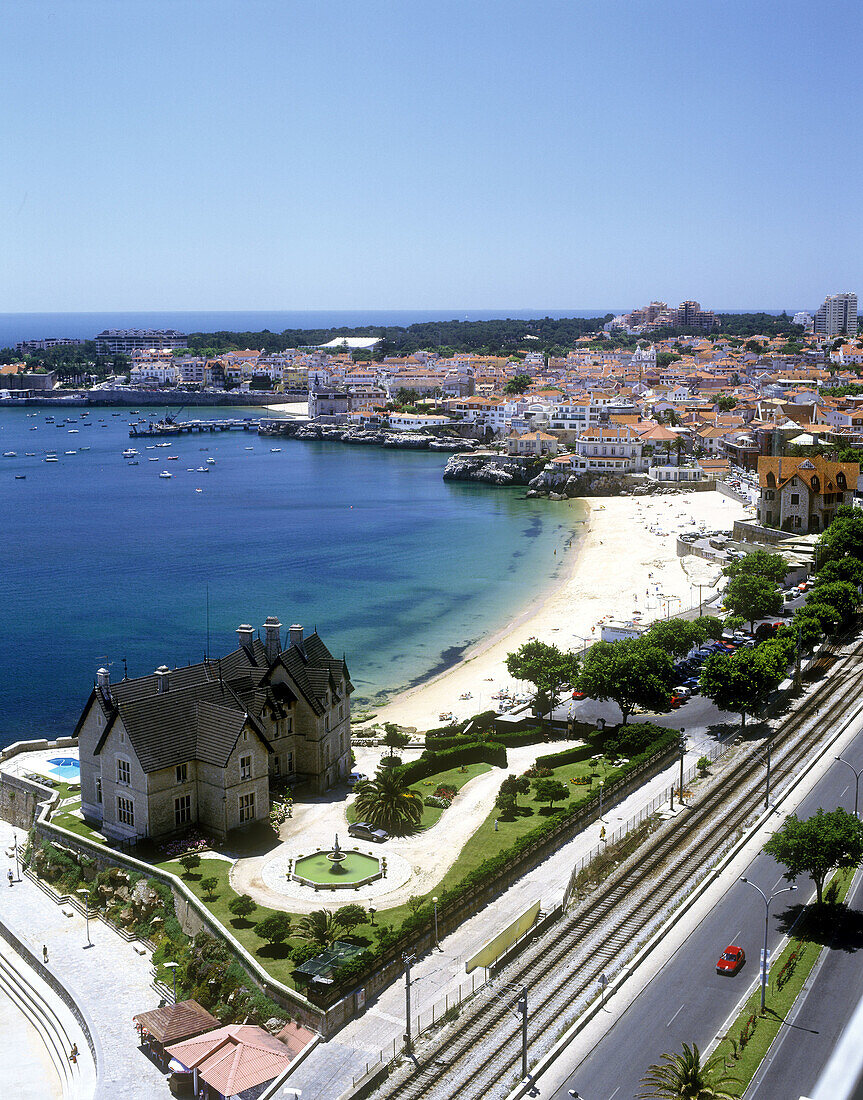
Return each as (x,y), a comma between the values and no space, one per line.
(231,1061)
(170,1024)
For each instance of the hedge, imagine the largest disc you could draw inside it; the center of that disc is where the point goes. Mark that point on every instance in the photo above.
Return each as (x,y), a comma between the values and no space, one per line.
(568,756)
(530,736)
(474,752)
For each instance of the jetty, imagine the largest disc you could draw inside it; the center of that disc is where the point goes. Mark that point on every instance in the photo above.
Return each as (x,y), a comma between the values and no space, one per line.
(186,427)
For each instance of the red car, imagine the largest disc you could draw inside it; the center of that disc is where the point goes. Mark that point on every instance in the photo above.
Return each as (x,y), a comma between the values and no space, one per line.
(578,695)
(731,959)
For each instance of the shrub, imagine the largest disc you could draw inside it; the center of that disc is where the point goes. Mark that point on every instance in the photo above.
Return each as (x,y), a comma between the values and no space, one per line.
(436,801)
(703,765)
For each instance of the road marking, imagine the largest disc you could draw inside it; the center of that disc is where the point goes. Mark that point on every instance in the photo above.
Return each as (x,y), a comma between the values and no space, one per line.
(616,1091)
(676,1014)
(846,789)
(776,883)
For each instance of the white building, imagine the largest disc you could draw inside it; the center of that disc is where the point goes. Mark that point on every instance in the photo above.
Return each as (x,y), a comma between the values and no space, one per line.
(117,341)
(804,319)
(836,314)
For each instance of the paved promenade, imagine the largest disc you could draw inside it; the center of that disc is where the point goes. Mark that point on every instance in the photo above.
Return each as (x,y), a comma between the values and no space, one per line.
(109,980)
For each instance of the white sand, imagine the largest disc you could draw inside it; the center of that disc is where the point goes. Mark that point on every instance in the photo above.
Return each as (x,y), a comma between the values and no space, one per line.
(620,566)
(290,408)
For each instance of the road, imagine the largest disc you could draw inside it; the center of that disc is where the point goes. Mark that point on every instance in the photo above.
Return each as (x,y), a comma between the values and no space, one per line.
(689,1002)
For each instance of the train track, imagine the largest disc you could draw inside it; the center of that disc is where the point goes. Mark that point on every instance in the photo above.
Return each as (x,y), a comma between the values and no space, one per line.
(562,968)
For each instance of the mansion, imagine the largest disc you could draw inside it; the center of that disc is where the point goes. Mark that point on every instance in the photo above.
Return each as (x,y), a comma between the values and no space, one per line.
(201,744)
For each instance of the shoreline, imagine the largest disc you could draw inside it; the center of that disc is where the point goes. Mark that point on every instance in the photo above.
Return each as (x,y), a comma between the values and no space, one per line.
(625,563)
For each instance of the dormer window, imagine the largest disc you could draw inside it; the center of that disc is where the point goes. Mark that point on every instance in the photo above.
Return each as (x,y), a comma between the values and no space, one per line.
(815,483)
(771,480)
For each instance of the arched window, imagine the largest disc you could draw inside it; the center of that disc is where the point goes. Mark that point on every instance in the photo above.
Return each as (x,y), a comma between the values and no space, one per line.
(841,482)
(771,480)
(815,483)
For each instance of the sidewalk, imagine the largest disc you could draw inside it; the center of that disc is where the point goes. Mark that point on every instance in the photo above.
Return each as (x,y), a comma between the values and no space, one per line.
(328,1070)
(109,981)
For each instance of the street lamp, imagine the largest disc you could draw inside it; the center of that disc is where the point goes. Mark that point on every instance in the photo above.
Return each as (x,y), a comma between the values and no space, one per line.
(172,966)
(372,912)
(85,893)
(681,746)
(767,901)
(856,782)
(436,940)
(17,867)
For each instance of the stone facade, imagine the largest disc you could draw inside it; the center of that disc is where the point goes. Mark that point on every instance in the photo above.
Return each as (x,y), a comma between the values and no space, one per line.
(201,745)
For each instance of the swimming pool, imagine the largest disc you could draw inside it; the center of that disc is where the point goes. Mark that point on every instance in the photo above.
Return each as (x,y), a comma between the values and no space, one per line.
(66,767)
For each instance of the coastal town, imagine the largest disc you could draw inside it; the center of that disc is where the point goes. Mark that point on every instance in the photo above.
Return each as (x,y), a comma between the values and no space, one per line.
(241,819)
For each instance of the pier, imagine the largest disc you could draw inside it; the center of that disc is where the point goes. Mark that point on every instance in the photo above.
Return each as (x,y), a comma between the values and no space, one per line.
(186,427)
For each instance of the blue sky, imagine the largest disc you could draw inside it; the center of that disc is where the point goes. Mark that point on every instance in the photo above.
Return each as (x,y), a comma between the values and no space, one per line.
(194,154)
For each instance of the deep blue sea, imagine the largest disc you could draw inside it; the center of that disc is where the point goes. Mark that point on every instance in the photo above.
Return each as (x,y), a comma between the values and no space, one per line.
(33,326)
(104,561)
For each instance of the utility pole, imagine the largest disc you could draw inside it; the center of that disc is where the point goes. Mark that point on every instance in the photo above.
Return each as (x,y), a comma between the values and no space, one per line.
(682,748)
(522,1007)
(767,791)
(408,960)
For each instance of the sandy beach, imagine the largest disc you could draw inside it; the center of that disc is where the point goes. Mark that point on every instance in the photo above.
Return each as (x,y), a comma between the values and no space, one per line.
(624,561)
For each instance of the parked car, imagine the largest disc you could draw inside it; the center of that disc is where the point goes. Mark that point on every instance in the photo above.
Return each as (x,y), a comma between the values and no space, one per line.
(731,960)
(356,777)
(683,691)
(364,830)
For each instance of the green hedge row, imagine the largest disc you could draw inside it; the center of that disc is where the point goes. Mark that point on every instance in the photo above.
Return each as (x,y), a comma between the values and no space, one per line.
(529,736)
(474,752)
(568,756)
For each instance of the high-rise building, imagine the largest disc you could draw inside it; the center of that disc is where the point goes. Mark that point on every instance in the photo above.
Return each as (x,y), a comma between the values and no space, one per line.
(837,314)
(803,319)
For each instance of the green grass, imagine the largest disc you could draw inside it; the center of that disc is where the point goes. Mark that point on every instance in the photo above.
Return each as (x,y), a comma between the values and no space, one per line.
(779,1002)
(454,777)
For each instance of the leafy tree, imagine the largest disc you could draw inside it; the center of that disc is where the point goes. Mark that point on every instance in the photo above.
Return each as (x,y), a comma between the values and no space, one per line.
(711,625)
(275,928)
(841,569)
(415,903)
(726,402)
(807,627)
(209,886)
(550,790)
(514,785)
(844,537)
(815,846)
(318,927)
(190,861)
(389,803)
(546,667)
(506,805)
(406,397)
(676,636)
(826,614)
(666,358)
(518,384)
(632,672)
(839,594)
(349,916)
(742,681)
(753,597)
(394,738)
(760,563)
(242,906)
(685,1077)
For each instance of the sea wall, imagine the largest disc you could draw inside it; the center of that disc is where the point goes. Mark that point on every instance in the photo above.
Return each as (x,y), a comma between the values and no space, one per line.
(140,399)
(411,441)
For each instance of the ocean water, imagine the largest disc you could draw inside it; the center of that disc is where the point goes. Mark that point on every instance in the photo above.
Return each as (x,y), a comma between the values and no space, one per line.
(84,326)
(104,561)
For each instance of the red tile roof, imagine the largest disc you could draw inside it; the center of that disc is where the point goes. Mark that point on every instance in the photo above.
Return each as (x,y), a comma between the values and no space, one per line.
(233,1058)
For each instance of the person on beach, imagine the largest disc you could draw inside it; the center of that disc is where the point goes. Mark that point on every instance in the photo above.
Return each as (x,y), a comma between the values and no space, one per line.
(10,876)
(45,954)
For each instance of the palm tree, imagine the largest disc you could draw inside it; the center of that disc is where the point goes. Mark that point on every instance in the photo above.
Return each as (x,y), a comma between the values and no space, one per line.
(684,1077)
(388,802)
(318,928)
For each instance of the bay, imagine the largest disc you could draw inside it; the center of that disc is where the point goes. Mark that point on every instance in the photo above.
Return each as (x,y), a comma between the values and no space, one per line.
(103,561)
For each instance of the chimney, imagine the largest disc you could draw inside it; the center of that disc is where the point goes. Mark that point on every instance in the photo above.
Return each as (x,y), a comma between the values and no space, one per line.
(162,679)
(273,643)
(246,634)
(296,635)
(103,680)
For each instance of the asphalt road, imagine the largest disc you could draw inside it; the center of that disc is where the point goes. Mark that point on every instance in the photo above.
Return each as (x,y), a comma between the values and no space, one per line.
(689,1002)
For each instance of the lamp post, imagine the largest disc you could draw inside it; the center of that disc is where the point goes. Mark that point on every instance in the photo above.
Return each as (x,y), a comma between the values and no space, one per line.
(17,866)
(681,745)
(601,788)
(436,940)
(522,1008)
(172,966)
(857,775)
(408,960)
(767,901)
(372,912)
(85,893)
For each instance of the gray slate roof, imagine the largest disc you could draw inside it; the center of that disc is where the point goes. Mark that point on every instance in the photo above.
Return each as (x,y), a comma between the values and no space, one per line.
(207,706)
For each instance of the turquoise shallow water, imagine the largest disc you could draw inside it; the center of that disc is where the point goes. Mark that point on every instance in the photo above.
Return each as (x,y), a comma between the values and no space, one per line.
(104,561)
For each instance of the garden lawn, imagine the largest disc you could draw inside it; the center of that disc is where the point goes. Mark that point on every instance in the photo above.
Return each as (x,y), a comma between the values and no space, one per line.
(486,842)
(453,777)
(778,1002)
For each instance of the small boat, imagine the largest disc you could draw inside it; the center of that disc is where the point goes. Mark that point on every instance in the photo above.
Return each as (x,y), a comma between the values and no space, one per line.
(23,477)
(275,450)
(211,462)
(245,449)
(163,444)
(130,452)
(51,458)
(172,458)
(199,490)
(165,473)
(33,428)
(9,454)
(152,459)
(30,454)
(151,447)
(70,452)
(83,448)
(73,431)
(202,470)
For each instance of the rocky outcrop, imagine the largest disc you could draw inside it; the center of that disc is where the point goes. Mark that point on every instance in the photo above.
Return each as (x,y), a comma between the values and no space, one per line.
(562,485)
(489,469)
(411,441)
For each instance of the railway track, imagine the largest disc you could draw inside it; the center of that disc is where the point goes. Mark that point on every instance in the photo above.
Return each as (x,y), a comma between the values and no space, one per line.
(562,969)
